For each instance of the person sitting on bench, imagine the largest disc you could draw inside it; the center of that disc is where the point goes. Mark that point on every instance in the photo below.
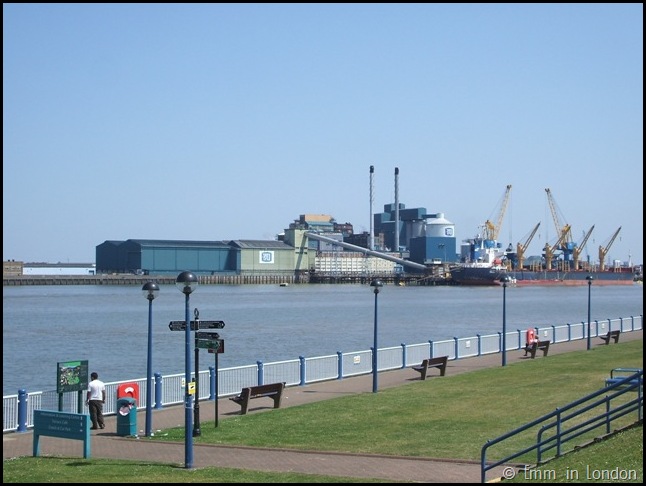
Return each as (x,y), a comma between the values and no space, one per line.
(530,339)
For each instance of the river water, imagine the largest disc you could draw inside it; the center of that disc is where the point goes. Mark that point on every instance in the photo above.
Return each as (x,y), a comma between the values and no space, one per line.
(108,325)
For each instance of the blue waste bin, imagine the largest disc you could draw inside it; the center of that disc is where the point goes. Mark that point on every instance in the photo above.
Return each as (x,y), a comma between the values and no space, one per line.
(126,416)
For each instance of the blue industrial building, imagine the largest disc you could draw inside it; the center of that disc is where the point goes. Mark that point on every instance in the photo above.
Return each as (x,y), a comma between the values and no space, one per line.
(428,238)
(160,257)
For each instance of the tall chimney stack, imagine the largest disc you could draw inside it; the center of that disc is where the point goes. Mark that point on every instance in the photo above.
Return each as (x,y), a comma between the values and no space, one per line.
(396,209)
(371,242)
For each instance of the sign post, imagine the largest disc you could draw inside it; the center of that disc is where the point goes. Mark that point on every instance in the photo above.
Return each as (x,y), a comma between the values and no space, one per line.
(203,340)
(217,350)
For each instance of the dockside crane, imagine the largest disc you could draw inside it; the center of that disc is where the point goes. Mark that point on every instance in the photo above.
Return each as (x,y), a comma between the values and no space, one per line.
(521,247)
(603,250)
(491,231)
(551,250)
(576,253)
(565,242)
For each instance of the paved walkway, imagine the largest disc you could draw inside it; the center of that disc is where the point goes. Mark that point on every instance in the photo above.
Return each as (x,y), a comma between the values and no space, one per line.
(106,444)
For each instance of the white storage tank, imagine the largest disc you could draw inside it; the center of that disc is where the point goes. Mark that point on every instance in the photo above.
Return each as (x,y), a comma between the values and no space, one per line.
(440,227)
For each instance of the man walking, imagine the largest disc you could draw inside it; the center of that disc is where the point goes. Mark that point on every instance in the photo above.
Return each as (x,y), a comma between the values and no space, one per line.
(95,400)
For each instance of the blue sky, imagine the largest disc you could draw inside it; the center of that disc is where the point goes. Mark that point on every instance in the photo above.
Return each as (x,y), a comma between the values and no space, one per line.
(228,121)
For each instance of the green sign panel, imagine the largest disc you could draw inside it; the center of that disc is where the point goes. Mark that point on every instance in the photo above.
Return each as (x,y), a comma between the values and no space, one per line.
(72,376)
(207,344)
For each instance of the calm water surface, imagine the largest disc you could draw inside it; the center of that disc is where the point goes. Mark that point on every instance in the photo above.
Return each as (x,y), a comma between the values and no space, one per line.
(108,325)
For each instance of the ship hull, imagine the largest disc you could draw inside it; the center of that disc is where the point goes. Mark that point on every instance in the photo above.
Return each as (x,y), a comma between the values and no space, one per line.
(477,275)
(557,277)
(491,276)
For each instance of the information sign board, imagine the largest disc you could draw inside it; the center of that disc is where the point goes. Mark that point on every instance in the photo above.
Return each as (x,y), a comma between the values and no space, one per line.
(71,376)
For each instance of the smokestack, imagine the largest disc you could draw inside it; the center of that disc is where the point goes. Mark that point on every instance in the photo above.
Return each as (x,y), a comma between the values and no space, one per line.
(396,209)
(371,242)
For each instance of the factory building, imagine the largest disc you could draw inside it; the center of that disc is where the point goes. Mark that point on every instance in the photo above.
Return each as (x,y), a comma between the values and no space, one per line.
(428,238)
(158,257)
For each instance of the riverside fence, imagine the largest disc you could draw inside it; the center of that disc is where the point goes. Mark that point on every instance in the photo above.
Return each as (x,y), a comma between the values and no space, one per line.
(18,410)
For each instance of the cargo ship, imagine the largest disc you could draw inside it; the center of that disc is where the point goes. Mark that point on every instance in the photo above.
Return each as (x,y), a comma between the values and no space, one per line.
(482,263)
(482,274)
(486,264)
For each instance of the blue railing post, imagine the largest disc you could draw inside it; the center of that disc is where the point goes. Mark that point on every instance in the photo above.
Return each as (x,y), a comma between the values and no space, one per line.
(22,410)
(261,373)
(456,352)
(158,390)
(339,365)
(403,355)
(430,351)
(212,382)
(479,344)
(302,369)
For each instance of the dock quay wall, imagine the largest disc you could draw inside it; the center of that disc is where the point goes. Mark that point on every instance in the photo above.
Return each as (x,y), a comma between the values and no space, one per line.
(226,279)
(142,279)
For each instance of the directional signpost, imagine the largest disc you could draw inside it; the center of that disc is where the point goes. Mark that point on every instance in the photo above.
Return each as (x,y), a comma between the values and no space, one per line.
(203,340)
(195,325)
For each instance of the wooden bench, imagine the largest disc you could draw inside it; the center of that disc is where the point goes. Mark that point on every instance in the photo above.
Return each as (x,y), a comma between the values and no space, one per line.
(532,348)
(439,362)
(272,390)
(611,335)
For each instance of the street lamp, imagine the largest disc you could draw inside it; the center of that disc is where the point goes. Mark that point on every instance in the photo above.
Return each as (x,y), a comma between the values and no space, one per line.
(589,278)
(187,282)
(504,280)
(377,284)
(150,290)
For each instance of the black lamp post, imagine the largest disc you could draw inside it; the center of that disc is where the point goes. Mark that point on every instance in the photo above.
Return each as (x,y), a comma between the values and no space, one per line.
(187,283)
(504,280)
(589,278)
(376,284)
(150,291)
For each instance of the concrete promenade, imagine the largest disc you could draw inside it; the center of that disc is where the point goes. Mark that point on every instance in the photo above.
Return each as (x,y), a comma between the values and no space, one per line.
(107,445)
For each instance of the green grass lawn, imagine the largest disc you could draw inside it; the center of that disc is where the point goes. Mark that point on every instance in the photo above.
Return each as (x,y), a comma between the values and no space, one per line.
(449,417)
(616,459)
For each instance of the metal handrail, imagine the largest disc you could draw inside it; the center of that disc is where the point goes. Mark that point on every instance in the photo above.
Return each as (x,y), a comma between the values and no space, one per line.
(631,383)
